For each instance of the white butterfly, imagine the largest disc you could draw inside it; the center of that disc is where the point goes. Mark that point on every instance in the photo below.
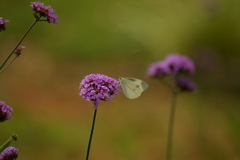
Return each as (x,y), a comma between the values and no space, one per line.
(132,87)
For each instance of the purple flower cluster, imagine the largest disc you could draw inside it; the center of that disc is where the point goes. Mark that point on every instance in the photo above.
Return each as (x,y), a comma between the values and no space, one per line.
(44,11)
(9,153)
(5,112)
(97,87)
(174,65)
(3,24)
(185,84)
(157,69)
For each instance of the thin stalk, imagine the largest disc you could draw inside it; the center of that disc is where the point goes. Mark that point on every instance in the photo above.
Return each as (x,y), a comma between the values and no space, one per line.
(9,63)
(91,134)
(171,126)
(37,19)
(6,144)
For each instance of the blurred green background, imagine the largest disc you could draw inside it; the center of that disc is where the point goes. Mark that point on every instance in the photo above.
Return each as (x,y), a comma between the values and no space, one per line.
(108,36)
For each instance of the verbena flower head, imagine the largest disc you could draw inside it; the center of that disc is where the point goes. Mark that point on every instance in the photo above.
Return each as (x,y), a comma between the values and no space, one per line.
(3,24)
(97,87)
(10,153)
(173,66)
(44,11)
(5,112)
(185,84)
(19,50)
(157,69)
(177,63)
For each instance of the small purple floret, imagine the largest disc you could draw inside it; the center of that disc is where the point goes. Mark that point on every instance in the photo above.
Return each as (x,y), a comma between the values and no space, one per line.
(5,112)
(18,51)
(177,63)
(97,87)
(185,84)
(9,153)
(157,69)
(44,11)
(3,24)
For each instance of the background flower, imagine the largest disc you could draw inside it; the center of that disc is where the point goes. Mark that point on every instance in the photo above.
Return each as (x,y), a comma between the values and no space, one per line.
(44,11)
(174,65)
(9,153)
(19,50)
(177,64)
(5,112)
(185,84)
(157,69)
(3,24)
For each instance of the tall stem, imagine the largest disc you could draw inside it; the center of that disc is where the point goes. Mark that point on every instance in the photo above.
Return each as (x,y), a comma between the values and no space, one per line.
(171,126)
(19,42)
(6,144)
(91,134)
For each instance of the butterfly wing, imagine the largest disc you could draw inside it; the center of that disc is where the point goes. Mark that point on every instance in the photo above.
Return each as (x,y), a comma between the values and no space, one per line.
(132,87)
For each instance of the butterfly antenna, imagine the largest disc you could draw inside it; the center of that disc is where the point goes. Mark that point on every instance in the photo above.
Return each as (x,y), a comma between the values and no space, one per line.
(116,73)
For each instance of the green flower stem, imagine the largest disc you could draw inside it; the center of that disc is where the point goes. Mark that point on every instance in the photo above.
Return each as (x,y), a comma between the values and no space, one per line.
(6,144)
(91,134)
(9,63)
(37,19)
(171,126)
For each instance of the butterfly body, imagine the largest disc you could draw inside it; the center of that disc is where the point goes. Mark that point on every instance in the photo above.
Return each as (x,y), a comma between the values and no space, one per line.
(132,87)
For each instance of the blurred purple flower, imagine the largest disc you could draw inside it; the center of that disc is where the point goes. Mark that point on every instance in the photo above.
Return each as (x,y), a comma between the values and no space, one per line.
(177,63)
(44,11)
(173,65)
(10,153)
(3,24)
(97,87)
(157,69)
(185,84)
(5,112)
(19,50)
